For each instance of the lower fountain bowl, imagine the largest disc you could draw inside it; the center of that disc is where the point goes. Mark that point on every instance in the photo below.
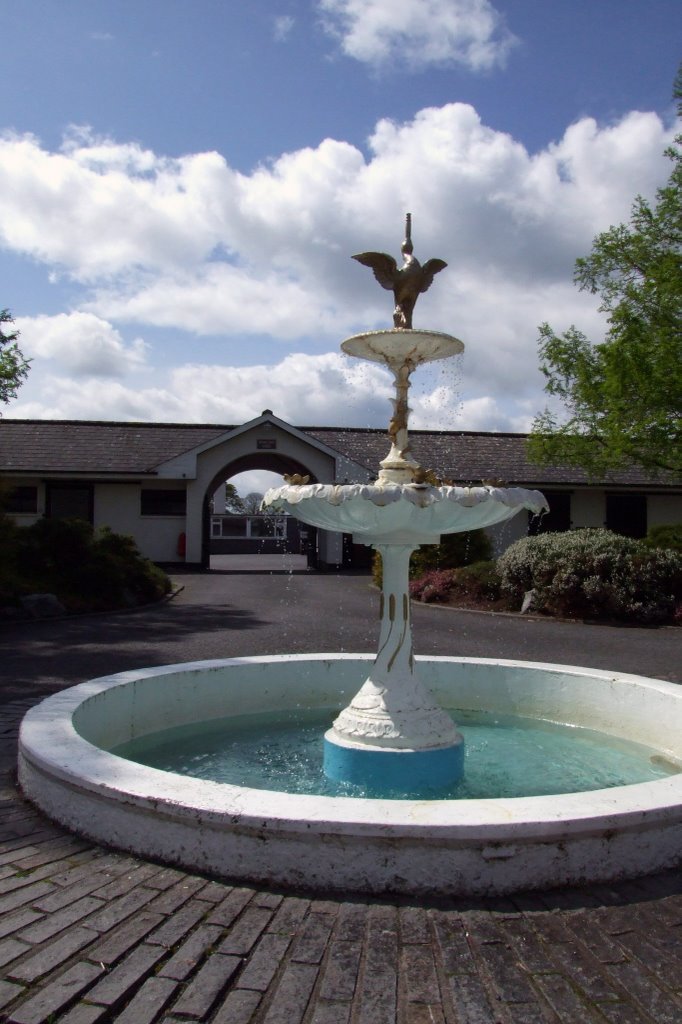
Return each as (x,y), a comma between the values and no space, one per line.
(421,846)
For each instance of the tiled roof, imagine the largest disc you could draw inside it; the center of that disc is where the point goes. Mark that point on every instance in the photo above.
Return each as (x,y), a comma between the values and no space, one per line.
(81,446)
(105,447)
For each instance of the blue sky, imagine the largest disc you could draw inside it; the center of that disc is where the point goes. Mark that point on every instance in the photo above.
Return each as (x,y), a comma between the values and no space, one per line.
(182,183)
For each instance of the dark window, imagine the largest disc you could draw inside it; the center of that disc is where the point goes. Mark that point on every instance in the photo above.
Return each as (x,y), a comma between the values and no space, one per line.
(70,501)
(558,519)
(626,514)
(163,503)
(22,500)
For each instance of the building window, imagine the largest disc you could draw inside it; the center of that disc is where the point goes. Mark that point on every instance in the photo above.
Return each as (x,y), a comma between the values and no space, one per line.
(22,501)
(160,502)
(69,501)
(626,514)
(255,527)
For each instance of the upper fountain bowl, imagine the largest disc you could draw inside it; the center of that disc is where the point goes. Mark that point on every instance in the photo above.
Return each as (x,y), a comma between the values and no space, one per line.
(399,347)
(399,514)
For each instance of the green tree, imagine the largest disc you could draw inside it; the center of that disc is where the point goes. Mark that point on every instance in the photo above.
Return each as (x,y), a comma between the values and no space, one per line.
(13,366)
(623,397)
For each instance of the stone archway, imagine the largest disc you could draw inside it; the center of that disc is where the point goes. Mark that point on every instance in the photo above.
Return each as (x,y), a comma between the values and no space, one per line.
(272,461)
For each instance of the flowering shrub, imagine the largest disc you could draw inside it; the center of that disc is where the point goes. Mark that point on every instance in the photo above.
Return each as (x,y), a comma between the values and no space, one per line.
(479,582)
(593,574)
(434,585)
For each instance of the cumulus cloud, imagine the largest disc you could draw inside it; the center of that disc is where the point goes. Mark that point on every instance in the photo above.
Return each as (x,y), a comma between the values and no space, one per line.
(282,27)
(81,343)
(419,34)
(194,245)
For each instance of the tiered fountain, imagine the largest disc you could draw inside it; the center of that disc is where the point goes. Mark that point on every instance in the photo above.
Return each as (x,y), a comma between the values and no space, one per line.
(394,734)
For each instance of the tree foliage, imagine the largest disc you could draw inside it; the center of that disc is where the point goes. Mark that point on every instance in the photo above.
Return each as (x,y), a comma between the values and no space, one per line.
(623,397)
(13,366)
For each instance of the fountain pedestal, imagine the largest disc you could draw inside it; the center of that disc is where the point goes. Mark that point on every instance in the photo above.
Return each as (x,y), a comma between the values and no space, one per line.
(393,735)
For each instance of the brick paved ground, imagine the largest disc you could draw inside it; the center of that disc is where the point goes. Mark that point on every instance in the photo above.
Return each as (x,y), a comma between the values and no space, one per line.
(91,935)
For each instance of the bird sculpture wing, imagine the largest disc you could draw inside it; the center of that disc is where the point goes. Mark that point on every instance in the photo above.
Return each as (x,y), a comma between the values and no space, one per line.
(429,270)
(384,266)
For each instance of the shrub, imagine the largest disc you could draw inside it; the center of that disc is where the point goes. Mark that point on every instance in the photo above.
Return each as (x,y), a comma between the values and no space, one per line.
(668,537)
(87,570)
(454,550)
(477,582)
(593,574)
(434,585)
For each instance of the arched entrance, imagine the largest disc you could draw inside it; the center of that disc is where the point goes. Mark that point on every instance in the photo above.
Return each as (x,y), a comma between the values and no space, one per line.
(269,539)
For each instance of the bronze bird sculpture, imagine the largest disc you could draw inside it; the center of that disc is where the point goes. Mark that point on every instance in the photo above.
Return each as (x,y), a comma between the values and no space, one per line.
(406,282)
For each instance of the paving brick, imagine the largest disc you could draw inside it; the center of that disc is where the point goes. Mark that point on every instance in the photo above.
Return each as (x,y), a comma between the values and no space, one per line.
(292,995)
(51,925)
(453,945)
(84,1013)
(331,1013)
(414,925)
(52,852)
(311,944)
(267,899)
(148,1002)
(471,1000)
(569,1005)
(420,1013)
(602,946)
(10,923)
(289,915)
(244,934)
(23,895)
(264,962)
(118,910)
(351,921)
(49,957)
(199,943)
(125,883)
(418,974)
(118,941)
(240,1007)
(213,892)
(340,971)
(11,949)
(56,996)
(643,990)
(165,878)
(585,971)
(120,983)
(9,992)
(207,985)
(665,965)
(508,982)
(377,989)
(67,895)
(175,927)
(176,896)
(230,908)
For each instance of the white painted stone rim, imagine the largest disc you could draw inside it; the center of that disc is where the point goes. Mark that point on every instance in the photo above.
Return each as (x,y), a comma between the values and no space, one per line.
(53,754)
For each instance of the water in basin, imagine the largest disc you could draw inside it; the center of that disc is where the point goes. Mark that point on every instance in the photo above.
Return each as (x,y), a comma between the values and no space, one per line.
(506,756)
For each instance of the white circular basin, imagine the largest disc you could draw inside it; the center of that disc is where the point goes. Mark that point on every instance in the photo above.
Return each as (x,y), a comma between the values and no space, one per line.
(335,843)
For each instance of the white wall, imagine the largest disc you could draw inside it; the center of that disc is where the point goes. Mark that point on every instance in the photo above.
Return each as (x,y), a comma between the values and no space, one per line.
(118,506)
(664,509)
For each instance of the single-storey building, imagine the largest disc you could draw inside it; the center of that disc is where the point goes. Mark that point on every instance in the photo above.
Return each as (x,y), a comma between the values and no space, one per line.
(155,481)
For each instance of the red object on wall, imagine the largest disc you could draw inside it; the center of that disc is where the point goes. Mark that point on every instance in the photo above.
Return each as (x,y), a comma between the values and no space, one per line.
(182,544)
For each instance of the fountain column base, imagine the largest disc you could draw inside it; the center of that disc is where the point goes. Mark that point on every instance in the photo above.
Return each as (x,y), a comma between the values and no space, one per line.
(393,770)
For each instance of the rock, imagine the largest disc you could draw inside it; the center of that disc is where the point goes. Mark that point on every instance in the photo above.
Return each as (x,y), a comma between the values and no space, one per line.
(528,603)
(42,606)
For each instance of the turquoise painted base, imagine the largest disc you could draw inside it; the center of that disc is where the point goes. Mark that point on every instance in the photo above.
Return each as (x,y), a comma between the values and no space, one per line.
(391,771)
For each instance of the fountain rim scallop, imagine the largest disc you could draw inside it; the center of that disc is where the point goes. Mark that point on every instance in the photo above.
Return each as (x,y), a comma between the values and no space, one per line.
(337,843)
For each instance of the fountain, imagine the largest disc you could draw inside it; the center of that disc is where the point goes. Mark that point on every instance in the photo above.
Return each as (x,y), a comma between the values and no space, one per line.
(397,732)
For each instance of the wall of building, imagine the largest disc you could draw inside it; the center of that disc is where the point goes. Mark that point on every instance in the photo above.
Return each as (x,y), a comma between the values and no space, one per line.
(118,506)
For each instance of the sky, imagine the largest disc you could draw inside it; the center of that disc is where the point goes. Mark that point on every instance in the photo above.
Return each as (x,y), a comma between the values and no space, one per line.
(183,183)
